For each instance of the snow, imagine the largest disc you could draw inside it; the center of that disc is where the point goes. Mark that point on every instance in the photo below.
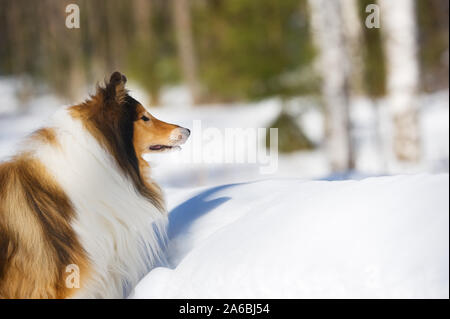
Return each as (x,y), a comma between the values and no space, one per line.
(381,237)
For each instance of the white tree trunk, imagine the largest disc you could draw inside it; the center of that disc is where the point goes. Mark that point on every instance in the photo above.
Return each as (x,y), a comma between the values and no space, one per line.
(398,27)
(334,65)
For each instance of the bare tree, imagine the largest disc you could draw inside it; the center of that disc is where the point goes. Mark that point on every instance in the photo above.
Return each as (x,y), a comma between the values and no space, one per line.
(182,21)
(334,65)
(398,27)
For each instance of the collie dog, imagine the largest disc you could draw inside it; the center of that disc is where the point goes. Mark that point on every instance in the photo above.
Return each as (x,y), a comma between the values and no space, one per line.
(80,216)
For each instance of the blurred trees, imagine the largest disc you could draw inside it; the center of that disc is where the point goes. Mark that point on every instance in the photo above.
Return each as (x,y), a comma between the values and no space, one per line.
(135,37)
(225,50)
(432,19)
(253,49)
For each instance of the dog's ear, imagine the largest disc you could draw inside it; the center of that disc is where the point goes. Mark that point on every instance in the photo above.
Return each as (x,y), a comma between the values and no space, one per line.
(115,89)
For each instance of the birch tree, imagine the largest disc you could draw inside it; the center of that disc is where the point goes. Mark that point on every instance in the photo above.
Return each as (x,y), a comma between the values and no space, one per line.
(398,26)
(334,66)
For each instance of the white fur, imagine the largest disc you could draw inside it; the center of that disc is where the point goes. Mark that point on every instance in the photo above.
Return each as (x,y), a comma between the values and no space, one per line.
(121,231)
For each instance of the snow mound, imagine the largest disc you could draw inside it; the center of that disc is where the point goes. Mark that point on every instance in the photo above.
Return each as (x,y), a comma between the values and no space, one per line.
(383,237)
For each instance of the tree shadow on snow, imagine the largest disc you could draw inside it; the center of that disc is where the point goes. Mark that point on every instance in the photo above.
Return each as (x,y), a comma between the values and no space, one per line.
(182,216)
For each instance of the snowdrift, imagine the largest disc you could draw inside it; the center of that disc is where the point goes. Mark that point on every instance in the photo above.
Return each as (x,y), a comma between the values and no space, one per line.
(381,237)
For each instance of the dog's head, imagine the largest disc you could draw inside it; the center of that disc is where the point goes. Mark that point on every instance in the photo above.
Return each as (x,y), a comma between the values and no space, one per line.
(150,135)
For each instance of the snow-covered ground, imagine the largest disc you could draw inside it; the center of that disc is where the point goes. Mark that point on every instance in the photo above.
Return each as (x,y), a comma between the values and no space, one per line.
(287,238)
(299,232)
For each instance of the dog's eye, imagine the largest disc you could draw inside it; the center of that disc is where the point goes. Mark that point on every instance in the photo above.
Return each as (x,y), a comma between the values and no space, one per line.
(145,118)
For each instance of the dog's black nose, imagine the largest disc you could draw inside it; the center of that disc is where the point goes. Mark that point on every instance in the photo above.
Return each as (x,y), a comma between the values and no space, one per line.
(189,131)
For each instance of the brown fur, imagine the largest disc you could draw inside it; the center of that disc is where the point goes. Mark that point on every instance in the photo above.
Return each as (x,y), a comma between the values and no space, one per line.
(37,242)
(46,135)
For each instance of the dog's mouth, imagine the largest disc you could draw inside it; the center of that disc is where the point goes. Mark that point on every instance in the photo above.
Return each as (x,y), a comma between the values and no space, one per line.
(162,148)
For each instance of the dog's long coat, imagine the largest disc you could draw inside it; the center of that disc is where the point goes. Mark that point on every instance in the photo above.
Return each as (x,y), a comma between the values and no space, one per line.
(77,202)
